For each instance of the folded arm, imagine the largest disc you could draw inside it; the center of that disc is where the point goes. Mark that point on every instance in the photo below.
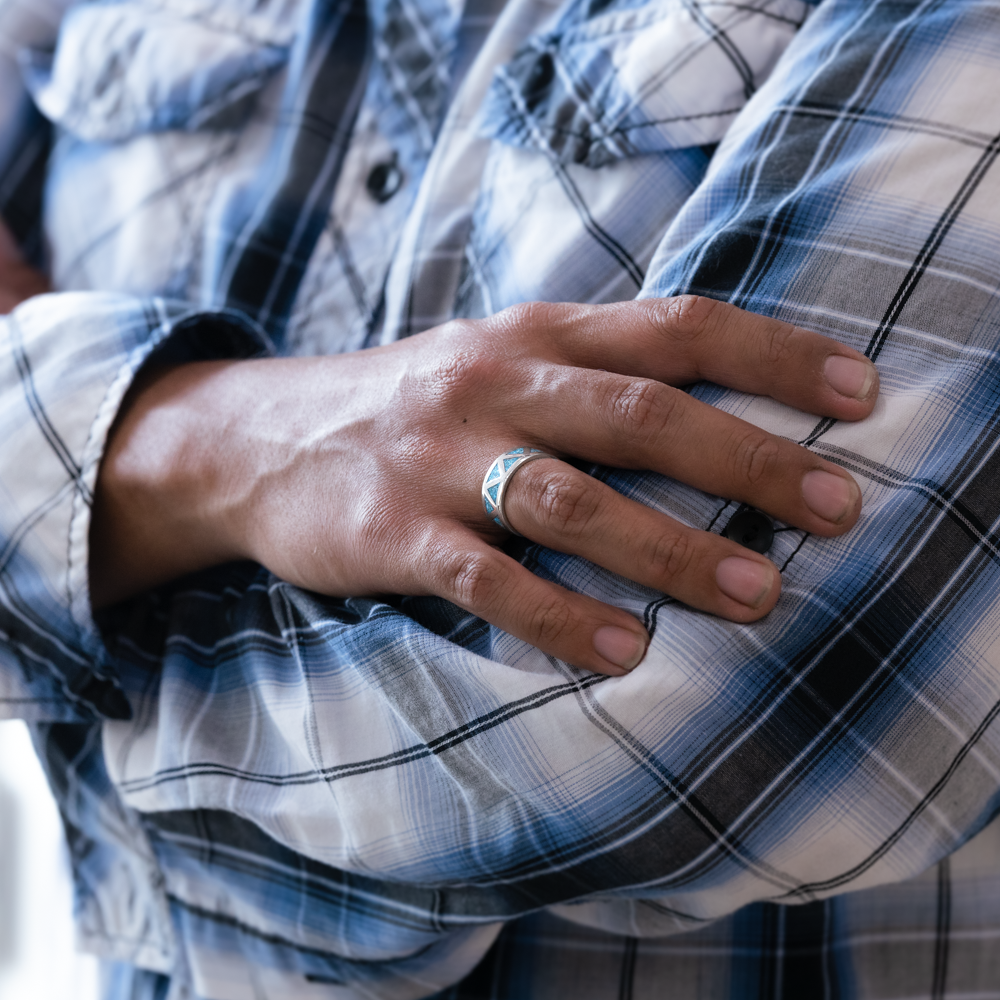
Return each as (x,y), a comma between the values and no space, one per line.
(844,740)
(359,474)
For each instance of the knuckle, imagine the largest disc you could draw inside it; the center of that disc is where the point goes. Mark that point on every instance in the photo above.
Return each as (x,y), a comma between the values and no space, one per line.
(458,379)
(376,523)
(689,318)
(526,315)
(673,556)
(528,323)
(777,344)
(471,579)
(756,456)
(565,503)
(550,621)
(642,407)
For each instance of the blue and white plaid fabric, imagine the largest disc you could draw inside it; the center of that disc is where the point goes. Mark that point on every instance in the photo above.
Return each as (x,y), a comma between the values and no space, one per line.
(270,793)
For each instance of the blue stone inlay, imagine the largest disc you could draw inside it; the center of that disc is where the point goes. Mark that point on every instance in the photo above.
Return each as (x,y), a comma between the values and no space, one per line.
(508,462)
(493,490)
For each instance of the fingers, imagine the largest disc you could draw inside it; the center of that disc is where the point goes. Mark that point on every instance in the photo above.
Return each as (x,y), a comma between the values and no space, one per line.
(564,509)
(688,338)
(570,626)
(642,424)
(598,382)
(558,506)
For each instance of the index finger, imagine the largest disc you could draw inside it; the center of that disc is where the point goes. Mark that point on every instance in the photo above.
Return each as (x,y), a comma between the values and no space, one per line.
(689,338)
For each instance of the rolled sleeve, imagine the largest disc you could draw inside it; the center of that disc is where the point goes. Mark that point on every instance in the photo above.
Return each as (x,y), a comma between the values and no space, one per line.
(66,363)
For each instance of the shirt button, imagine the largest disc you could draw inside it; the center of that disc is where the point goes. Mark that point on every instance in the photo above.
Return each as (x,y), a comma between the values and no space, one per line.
(751,529)
(384,180)
(537,83)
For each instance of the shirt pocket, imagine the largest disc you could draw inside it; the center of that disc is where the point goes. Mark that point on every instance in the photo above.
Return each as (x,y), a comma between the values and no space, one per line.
(121,69)
(628,79)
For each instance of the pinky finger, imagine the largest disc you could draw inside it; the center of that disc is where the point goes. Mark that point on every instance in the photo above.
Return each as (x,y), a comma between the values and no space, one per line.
(572,627)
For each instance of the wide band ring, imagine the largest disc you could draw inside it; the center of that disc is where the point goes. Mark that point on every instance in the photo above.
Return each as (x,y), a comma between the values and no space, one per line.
(498,478)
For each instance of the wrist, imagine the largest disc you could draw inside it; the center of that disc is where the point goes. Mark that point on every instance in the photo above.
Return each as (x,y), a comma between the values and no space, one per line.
(164,504)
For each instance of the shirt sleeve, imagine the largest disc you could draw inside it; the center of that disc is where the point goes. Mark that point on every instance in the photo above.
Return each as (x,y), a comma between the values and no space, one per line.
(846,740)
(302,763)
(66,362)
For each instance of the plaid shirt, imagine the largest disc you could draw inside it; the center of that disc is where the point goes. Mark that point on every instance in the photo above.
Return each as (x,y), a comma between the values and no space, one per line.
(270,793)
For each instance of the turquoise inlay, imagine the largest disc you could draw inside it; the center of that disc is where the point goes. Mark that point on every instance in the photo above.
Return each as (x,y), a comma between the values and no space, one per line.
(497,520)
(516,451)
(493,490)
(508,462)
(488,505)
(495,471)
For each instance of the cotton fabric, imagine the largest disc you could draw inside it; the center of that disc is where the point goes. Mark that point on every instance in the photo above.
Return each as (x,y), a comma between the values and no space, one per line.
(274,793)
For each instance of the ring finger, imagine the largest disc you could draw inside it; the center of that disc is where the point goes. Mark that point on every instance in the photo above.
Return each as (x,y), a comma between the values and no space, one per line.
(554,504)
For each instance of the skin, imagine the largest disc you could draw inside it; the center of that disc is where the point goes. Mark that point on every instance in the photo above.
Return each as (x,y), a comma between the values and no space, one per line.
(18,281)
(359,473)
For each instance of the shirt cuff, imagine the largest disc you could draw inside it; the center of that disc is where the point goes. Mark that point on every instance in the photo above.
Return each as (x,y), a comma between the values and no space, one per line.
(66,363)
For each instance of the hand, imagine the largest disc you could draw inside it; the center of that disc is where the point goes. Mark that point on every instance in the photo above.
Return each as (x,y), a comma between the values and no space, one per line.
(18,281)
(360,473)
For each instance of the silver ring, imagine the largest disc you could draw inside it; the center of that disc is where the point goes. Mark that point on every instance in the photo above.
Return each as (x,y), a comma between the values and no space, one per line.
(498,478)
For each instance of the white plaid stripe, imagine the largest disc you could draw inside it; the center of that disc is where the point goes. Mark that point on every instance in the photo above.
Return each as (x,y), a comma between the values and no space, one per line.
(361,841)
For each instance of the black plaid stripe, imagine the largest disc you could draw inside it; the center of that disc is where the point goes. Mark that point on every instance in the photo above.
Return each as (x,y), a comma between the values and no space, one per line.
(711,809)
(289,205)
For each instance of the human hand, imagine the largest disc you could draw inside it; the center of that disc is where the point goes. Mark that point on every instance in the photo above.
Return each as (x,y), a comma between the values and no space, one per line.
(360,473)
(18,281)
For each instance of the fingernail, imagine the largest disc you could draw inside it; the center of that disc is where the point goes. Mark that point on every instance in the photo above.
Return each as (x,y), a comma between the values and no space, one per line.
(828,496)
(849,376)
(744,580)
(620,646)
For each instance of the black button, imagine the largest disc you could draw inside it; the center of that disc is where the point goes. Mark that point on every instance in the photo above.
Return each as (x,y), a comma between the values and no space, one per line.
(384,180)
(751,529)
(539,78)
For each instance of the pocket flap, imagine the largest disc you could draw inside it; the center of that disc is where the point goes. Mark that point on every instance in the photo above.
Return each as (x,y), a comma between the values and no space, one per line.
(637,79)
(122,69)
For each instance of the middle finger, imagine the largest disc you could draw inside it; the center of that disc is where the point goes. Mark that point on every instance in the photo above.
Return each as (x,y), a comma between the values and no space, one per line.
(643,424)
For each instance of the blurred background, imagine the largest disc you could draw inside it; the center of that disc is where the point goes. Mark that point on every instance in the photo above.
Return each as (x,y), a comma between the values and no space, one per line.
(37,956)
